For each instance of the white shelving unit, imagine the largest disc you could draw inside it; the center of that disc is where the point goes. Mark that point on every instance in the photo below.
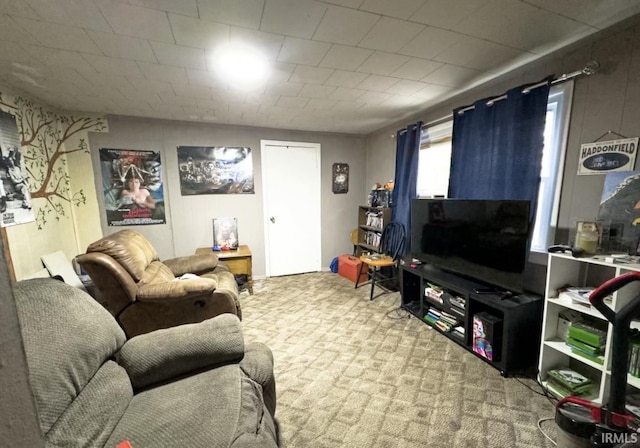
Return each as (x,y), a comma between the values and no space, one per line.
(565,270)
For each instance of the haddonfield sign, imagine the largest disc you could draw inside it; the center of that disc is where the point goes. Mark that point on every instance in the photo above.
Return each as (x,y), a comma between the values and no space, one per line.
(605,157)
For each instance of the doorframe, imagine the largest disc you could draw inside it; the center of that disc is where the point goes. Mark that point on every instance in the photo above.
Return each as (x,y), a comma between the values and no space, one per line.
(267,245)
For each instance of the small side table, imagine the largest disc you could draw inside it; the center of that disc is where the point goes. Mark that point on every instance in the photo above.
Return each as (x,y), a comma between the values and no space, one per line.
(239,261)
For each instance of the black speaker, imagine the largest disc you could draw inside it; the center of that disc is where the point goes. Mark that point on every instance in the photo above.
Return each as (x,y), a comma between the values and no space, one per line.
(487,336)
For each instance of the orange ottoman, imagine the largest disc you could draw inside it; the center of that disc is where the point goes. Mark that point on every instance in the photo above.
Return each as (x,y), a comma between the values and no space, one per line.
(349,266)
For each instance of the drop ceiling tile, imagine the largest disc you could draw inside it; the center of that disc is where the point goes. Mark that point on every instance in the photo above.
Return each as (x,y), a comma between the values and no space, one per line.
(284,88)
(381,63)
(113,66)
(183,7)
(390,34)
(262,99)
(53,35)
(320,104)
(302,51)
(406,87)
(400,9)
(446,13)
(55,58)
(158,72)
(342,78)
(134,21)
(355,4)
(19,9)
(197,33)
(378,83)
(235,107)
(10,31)
(106,83)
(451,75)
(281,72)
(310,75)
(175,55)
(189,91)
(296,18)
(141,96)
(478,54)
(314,91)
(244,13)
(345,94)
(123,47)
(347,106)
(71,13)
(12,54)
(203,78)
(519,25)
(431,42)
(374,97)
(173,99)
(345,58)
(345,26)
(267,44)
(432,91)
(292,102)
(416,69)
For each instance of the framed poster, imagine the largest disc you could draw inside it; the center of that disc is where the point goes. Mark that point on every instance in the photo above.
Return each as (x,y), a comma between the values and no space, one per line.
(132,187)
(340,178)
(15,196)
(215,170)
(619,212)
(225,234)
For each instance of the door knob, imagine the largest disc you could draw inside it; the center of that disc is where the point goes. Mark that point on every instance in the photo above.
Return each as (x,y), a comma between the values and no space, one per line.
(272,219)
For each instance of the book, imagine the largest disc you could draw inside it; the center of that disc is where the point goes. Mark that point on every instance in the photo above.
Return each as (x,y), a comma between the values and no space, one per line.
(577,294)
(594,358)
(571,380)
(586,348)
(587,334)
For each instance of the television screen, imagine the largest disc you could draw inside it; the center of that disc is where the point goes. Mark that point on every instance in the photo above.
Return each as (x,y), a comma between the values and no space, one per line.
(486,240)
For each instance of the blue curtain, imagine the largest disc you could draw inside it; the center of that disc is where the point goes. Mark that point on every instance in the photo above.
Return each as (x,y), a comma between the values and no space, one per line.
(497,149)
(407,147)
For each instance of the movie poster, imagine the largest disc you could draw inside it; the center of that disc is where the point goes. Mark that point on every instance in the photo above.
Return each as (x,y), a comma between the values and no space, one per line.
(15,197)
(619,212)
(215,170)
(132,185)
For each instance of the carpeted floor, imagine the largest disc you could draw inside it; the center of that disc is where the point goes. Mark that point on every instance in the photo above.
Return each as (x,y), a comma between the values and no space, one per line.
(358,374)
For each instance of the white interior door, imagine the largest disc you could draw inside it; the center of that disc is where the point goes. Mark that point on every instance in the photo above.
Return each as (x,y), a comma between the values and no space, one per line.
(291,185)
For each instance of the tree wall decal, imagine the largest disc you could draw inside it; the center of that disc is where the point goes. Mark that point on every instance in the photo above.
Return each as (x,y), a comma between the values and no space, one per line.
(46,144)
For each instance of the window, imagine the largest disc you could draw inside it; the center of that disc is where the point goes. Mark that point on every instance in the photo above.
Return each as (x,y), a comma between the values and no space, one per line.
(553,154)
(434,160)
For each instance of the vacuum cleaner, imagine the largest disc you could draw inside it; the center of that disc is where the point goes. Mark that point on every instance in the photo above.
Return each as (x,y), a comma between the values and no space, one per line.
(587,424)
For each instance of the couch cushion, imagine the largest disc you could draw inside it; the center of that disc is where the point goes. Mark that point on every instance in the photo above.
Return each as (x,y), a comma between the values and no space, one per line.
(156,272)
(67,337)
(132,250)
(212,409)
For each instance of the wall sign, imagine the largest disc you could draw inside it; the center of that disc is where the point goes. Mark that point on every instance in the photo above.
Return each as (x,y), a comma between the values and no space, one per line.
(340,178)
(608,156)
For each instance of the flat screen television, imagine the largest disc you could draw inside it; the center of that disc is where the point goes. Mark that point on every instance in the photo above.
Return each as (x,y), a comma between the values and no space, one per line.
(486,240)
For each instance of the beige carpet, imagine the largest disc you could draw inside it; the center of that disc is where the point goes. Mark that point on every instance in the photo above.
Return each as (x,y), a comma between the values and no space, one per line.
(355,373)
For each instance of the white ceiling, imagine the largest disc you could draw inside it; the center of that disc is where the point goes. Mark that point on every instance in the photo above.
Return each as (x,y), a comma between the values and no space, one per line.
(349,66)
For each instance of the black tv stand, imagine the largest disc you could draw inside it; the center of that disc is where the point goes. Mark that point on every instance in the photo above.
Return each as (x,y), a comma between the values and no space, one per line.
(515,319)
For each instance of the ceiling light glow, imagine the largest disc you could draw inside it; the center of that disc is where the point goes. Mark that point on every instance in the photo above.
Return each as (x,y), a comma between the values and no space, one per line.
(241,65)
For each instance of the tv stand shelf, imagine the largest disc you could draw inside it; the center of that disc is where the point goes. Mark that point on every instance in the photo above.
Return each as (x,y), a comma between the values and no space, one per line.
(516,337)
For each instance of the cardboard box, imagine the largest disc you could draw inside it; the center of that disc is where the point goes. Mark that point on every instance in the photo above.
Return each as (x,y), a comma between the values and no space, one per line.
(349,266)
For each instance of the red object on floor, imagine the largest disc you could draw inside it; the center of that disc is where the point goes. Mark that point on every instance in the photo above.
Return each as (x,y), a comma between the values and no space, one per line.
(124,444)
(349,266)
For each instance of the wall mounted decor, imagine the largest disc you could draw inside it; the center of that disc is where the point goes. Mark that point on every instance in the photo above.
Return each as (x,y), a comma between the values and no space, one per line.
(215,170)
(340,177)
(608,156)
(132,186)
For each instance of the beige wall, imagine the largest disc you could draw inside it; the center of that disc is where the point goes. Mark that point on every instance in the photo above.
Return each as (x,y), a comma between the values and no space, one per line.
(60,224)
(608,100)
(189,218)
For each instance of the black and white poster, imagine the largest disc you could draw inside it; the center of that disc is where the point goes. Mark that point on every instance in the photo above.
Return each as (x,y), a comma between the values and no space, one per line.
(15,196)
(132,185)
(340,178)
(215,170)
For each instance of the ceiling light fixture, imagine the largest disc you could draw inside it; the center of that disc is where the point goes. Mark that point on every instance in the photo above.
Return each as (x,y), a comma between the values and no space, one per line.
(240,65)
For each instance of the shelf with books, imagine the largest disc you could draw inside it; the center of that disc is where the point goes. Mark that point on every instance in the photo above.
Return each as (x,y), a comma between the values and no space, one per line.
(585,342)
(512,324)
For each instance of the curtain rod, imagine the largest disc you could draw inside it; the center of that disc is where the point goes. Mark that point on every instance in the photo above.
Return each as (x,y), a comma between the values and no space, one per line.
(589,69)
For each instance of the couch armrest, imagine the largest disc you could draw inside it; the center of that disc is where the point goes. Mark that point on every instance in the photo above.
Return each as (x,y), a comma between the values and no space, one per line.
(164,354)
(195,264)
(176,289)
